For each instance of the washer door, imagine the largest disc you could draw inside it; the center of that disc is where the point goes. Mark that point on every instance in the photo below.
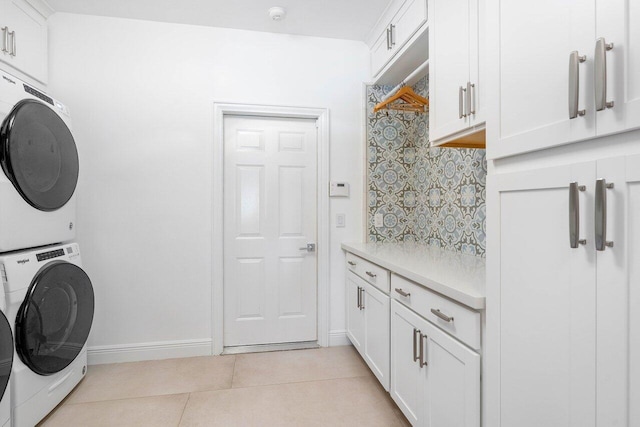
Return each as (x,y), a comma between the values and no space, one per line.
(38,154)
(54,320)
(6,353)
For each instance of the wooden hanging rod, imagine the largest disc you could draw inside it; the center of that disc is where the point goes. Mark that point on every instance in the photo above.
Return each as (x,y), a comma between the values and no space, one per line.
(405,100)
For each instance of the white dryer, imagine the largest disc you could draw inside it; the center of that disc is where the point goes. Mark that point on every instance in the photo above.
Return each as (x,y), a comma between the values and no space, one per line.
(40,168)
(6,361)
(50,306)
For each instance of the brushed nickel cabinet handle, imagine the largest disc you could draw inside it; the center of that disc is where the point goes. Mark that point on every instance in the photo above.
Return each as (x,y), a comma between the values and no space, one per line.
(441,315)
(574,84)
(415,344)
(461,97)
(423,362)
(403,293)
(370,274)
(601,215)
(574,215)
(600,74)
(388,39)
(392,36)
(472,99)
(358,298)
(5,39)
(14,51)
(351,263)
(468,100)
(362,299)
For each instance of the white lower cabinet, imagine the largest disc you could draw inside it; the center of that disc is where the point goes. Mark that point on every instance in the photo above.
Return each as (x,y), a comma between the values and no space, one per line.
(368,325)
(564,273)
(435,379)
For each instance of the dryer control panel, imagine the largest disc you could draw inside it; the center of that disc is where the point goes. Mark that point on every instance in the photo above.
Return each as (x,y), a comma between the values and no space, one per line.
(43,256)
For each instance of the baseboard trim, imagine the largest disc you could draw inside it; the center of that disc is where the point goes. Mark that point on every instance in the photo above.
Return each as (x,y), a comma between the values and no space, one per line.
(338,338)
(99,355)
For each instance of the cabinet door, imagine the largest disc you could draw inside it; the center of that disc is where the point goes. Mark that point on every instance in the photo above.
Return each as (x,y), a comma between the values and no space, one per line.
(618,284)
(452,394)
(448,66)
(618,22)
(380,52)
(407,377)
(544,311)
(376,342)
(30,31)
(632,214)
(529,51)
(407,21)
(355,317)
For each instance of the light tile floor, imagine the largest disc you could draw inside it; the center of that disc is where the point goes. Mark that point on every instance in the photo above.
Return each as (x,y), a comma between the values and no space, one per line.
(318,387)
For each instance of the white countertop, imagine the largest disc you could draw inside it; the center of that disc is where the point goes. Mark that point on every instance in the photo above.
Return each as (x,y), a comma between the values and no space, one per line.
(454,275)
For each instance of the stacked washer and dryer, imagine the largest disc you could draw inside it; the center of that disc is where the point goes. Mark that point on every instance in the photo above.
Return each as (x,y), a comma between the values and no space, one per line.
(47,301)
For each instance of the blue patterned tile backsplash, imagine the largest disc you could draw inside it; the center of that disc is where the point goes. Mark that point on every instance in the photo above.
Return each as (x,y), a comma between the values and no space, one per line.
(434,196)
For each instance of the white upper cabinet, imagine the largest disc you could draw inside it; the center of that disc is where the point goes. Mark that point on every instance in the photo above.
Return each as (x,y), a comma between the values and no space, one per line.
(23,38)
(455,102)
(396,28)
(552,81)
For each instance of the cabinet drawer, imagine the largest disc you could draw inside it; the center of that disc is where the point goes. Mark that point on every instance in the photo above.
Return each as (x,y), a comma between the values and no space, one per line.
(376,275)
(463,323)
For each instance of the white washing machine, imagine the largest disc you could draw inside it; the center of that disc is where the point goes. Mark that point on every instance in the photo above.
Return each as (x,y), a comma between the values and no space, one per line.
(39,168)
(50,306)
(6,361)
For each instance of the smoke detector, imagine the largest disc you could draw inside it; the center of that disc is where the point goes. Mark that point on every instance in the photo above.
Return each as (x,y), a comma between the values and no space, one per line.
(277,13)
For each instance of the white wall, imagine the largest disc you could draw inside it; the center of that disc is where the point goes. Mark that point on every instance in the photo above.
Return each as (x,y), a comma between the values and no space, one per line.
(141,96)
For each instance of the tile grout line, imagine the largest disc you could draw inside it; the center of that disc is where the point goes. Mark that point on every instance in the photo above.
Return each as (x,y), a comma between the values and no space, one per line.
(183,410)
(233,374)
(295,382)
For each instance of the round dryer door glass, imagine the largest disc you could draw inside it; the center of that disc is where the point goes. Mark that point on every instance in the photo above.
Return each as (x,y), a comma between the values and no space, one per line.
(38,154)
(6,353)
(54,320)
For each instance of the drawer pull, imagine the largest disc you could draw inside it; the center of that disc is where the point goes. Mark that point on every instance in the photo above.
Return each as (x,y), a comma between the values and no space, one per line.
(351,263)
(442,315)
(403,293)
(370,274)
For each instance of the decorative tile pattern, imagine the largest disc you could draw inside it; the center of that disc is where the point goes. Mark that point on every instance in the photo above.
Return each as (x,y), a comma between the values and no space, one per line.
(434,196)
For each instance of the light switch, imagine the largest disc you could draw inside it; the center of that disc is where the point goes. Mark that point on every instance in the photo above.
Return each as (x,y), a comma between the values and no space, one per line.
(340,220)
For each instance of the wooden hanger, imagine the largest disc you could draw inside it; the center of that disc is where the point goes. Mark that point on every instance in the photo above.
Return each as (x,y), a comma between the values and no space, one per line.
(409,101)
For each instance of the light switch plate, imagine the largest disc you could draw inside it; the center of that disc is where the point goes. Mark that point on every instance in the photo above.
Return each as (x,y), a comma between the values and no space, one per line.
(340,220)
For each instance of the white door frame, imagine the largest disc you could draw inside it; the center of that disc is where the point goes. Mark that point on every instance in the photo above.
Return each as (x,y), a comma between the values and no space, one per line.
(321,115)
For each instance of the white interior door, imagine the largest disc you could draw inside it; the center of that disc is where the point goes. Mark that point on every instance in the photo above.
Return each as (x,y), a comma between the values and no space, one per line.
(270,209)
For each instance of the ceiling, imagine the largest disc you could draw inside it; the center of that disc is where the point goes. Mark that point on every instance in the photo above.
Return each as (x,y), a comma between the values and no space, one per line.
(340,19)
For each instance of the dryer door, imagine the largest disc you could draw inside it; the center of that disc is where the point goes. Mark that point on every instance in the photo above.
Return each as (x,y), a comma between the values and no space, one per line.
(6,353)
(55,318)
(38,154)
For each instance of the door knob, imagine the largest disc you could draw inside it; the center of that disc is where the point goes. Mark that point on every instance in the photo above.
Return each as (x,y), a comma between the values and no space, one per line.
(311,247)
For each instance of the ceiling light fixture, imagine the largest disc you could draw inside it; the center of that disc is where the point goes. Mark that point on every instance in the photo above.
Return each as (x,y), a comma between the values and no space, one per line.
(277,13)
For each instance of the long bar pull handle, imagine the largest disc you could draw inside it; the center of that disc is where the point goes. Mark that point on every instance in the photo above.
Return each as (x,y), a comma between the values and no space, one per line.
(468,100)
(472,99)
(423,362)
(574,215)
(358,299)
(574,84)
(370,274)
(415,344)
(5,39)
(388,39)
(461,109)
(441,315)
(362,299)
(403,293)
(601,215)
(601,74)
(392,35)
(14,51)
